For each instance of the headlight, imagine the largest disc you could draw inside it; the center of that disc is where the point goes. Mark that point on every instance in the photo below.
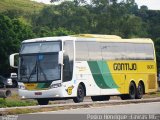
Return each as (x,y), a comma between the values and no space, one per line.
(56,85)
(21,87)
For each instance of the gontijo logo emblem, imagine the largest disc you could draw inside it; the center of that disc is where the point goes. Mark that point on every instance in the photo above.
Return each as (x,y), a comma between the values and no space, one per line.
(69,90)
(124,66)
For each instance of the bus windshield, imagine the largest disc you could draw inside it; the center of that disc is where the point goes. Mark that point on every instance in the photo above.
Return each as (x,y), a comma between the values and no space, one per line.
(39,64)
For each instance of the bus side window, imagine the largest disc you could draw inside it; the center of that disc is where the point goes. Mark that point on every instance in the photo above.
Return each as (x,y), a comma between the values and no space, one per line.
(68,61)
(66,69)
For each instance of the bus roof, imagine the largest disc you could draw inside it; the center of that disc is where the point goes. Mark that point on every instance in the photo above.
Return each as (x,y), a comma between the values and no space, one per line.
(110,38)
(49,39)
(97,36)
(91,37)
(133,40)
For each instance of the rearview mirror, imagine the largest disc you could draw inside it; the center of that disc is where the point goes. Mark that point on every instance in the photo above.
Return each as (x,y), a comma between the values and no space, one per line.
(13,60)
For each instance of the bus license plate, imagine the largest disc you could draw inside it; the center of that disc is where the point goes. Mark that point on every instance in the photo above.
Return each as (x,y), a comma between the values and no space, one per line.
(38,93)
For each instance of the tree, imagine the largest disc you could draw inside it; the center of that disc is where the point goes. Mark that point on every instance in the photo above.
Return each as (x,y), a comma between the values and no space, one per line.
(157,46)
(76,2)
(66,15)
(133,27)
(62,32)
(54,1)
(11,33)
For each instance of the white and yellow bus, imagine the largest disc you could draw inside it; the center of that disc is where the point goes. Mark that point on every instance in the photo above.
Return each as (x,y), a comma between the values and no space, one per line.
(85,65)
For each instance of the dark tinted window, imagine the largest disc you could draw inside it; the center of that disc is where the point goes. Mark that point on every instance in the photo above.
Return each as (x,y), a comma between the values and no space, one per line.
(42,67)
(68,60)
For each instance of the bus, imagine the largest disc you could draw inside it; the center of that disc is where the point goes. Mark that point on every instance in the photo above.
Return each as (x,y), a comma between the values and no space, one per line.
(98,66)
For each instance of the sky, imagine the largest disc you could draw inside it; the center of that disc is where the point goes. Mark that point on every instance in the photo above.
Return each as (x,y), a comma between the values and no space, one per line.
(151,4)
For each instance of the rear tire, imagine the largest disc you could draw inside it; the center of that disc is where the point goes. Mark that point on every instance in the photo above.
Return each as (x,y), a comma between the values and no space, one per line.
(140,91)
(132,92)
(100,98)
(43,101)
(80,94)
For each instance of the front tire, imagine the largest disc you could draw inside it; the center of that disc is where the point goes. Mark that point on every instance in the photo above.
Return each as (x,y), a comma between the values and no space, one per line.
(43,101)
(80,94)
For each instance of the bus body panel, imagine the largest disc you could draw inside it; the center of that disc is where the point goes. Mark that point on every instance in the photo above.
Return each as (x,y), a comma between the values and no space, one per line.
(136,71)
(100,76)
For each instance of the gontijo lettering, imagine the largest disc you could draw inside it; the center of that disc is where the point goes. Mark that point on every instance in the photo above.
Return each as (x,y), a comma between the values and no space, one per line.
(125,66)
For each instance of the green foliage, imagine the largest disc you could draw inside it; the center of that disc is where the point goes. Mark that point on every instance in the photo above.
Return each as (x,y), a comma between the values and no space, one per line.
(17,103)
(12,31)
(23,19)
(133,27)
(157,46)
(45,32)
(65,15)
(26,6)
(62,32)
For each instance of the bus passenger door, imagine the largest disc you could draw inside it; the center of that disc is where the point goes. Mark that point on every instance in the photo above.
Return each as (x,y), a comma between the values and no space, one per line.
(68,63)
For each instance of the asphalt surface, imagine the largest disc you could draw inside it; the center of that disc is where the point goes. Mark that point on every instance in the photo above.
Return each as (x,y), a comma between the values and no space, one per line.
(141,111)
(141,108)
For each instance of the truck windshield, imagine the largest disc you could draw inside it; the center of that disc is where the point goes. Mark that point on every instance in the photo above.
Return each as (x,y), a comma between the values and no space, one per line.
(38,64)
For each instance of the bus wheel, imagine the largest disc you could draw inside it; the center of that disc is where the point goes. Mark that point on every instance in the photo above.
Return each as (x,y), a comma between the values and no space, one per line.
(80,94)
(43,101)
(140,91)
(100,98)
(132,92)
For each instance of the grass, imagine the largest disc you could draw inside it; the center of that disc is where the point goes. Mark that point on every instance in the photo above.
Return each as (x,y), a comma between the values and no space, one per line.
(15,101)
(22,5)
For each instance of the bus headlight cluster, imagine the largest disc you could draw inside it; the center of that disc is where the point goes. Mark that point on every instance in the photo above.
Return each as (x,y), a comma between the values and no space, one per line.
(22,87)
(56,85)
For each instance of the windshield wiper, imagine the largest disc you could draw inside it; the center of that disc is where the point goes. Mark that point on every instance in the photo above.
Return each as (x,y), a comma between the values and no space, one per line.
(41,70)
(32,72)
(35,70)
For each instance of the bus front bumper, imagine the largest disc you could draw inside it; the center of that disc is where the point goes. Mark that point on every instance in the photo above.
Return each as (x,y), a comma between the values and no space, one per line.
(50,93)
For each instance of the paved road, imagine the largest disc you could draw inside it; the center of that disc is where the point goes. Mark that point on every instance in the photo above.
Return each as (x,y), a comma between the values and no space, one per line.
(139,111)
(141,108)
